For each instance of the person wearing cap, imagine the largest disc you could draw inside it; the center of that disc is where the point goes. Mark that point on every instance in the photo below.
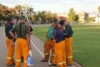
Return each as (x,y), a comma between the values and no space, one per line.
(31,32)
(60,50)
(9,41)
(68,41)
(22,41)
(49,42)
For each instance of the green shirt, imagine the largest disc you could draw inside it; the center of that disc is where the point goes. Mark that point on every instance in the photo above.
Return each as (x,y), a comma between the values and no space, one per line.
(21,29)
(68,31)
(50,32)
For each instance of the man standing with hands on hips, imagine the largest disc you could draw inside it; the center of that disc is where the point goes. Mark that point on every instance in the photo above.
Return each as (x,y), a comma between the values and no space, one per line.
(22,41)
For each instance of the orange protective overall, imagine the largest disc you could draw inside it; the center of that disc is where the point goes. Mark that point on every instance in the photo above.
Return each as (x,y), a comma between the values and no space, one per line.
(22,49)
(53,56)
(60,54)
(69,53)
(47,47)
(10,52)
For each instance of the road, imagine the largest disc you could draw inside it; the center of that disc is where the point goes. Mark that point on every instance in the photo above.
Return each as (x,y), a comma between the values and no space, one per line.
(37,51)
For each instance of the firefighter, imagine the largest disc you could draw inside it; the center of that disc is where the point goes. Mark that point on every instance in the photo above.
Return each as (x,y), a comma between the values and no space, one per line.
(9,41)
(31,32)
(53,61)
(49,42)
(22,41)
(60,50)
(68,41)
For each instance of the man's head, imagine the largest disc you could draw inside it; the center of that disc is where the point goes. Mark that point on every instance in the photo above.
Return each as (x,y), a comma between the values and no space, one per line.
(22,19)
(10,18)
(60,24)
(64,20)
(54,22)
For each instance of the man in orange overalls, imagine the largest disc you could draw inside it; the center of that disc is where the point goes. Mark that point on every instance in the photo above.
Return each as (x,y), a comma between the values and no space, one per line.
(9,41)
(68,41)
(49,42)
(22,42)
(60,49)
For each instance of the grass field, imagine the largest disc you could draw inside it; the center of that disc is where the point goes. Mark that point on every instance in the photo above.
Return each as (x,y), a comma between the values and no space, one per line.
(86,45)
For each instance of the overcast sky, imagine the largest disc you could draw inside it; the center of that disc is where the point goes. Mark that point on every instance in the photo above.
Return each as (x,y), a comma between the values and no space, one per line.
(62,6)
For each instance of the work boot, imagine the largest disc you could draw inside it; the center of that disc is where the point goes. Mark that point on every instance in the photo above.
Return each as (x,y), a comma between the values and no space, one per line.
(69,62)
(69,65)
(12,64)
(45,58)
(52,65)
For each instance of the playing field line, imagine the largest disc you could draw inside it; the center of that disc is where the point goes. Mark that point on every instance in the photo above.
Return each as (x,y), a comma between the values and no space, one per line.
(37,49)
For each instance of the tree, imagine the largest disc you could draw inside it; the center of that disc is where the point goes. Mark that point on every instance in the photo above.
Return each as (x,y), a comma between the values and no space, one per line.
(76,18)
(98,14)
(19,8)
(91,19)
(5,11)
(42,17)
(99,9)
(49,16)
(31,11)
(36,17)
(2,12)
(71,15)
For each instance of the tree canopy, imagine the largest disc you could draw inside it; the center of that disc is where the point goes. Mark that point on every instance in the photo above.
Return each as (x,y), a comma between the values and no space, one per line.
(71,15)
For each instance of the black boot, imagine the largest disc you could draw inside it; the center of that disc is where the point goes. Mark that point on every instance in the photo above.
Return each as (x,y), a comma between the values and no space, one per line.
(53,65)
(45,58)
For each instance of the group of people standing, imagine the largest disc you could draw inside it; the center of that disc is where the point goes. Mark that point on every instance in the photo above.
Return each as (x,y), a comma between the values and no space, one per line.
(58,46)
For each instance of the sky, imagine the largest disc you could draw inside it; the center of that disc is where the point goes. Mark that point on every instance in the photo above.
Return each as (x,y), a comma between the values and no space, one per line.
(59,6)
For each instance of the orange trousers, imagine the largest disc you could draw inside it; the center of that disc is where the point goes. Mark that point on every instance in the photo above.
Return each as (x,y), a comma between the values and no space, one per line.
(10,52)
(22,49)
(53,56)
(60,54)
(69,53)
(47,47)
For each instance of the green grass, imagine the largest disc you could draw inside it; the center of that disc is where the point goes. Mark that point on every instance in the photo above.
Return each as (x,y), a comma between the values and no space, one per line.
(86,45)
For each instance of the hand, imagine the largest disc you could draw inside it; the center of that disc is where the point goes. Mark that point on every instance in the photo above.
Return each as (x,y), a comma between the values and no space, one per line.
(13,43)
(29,47)
(54,40)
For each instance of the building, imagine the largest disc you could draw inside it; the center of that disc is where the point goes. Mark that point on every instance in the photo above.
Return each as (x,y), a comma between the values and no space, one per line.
(83,17)
(97,19)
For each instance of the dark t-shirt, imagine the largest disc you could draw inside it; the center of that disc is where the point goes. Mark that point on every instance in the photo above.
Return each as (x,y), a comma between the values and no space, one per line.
(59,35)
(8,27)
